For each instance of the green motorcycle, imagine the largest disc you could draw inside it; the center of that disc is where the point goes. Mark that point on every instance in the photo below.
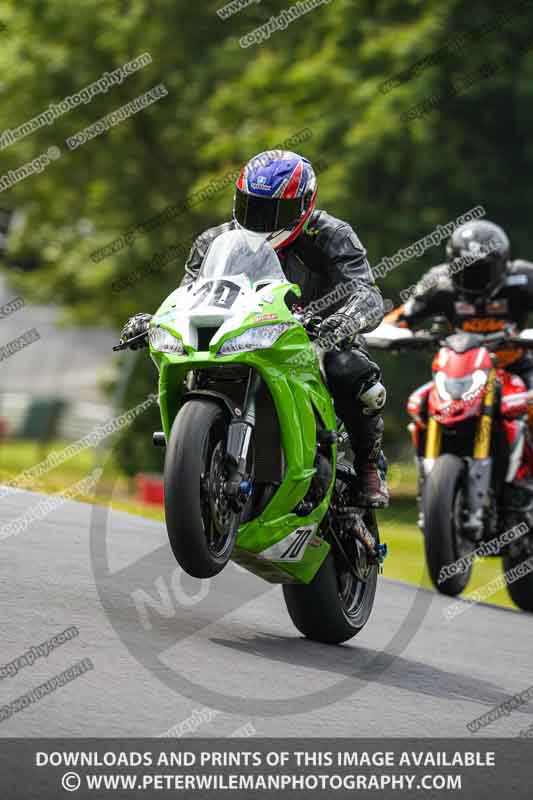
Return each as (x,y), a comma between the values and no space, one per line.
(255,467)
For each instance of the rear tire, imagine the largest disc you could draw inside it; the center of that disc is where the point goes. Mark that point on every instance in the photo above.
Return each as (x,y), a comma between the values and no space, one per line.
(442,501)
(521,591)
(335,606)
(200,544)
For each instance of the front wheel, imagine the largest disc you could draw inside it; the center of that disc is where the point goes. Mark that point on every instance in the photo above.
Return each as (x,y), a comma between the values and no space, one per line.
(201,526)
(443,504)
(336,605)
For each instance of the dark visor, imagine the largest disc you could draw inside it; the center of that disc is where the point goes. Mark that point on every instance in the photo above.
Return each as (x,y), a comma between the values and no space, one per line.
(266,214)
(475,276)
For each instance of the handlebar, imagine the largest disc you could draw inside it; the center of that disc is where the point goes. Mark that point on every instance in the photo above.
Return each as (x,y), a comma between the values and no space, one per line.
(417,342)
(524,344)
(500,340)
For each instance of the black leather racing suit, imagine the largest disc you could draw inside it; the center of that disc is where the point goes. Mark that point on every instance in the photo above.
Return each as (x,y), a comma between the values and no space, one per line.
(325,256)
(511,302)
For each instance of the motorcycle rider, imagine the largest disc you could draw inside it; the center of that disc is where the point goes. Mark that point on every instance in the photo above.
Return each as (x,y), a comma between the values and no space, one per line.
(479,289)
(275,198)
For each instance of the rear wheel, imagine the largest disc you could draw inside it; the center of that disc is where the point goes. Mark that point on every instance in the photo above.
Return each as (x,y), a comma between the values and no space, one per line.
(201,526)
(521,590)
(337,604)
(443,504)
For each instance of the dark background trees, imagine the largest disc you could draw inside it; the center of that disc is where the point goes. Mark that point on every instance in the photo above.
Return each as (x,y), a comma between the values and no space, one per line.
(393,178)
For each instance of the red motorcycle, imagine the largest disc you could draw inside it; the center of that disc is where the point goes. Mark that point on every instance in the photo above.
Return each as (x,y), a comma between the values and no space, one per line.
(474,455)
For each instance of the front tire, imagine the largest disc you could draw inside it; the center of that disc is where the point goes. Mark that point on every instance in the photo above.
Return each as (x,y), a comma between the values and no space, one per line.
(201,529)
(443,502)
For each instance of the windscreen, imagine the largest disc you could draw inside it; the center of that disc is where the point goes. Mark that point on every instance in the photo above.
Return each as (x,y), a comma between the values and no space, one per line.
(241,253)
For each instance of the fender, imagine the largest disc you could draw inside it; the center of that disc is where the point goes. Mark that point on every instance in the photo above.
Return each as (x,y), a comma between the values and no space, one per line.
(220,399)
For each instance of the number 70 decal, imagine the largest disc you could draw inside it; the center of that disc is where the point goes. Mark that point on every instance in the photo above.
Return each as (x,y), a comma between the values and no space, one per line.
(292,547)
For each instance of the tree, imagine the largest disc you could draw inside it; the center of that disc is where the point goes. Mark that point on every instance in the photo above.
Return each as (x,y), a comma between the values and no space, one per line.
(352,72)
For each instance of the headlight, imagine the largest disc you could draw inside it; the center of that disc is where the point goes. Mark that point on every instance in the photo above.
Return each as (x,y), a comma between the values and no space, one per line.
(460,388)
(479,381)
(164,342)
(440,383)
(254,339)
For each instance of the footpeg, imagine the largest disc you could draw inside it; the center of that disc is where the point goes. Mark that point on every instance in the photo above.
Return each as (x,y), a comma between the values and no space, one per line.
(381,554)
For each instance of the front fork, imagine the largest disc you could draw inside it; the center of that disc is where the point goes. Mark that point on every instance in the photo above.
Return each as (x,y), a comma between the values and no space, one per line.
(424,464)
(239,486)
(479,466)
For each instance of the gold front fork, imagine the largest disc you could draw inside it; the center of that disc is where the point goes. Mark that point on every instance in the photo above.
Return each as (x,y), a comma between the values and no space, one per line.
(433,439)
(484,425)
(483,431)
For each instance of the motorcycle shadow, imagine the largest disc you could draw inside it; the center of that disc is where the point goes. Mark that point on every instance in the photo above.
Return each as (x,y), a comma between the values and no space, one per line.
(369,666)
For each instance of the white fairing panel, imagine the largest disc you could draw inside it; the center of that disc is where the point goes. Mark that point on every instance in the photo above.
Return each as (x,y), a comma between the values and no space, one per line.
(292,547)
(235,280)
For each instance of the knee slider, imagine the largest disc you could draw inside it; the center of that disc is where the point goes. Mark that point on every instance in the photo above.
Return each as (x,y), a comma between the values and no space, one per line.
(373,398)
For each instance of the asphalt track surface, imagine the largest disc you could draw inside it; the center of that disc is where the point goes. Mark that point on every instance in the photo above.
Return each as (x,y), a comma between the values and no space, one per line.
(238,641)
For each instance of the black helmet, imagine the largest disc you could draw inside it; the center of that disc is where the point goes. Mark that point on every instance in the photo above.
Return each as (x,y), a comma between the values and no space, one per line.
(478,254)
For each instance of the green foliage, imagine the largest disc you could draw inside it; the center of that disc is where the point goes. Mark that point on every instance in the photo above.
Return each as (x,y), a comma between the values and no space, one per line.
(134,449)
(393,180)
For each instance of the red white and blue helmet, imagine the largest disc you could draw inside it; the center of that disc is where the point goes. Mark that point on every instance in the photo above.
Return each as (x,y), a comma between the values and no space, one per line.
(275,196)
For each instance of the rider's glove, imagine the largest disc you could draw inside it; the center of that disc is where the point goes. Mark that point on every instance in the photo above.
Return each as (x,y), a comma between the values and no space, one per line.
(134,327)
(338,330)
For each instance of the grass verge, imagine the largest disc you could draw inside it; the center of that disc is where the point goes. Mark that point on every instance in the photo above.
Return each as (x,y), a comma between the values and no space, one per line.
(398,527)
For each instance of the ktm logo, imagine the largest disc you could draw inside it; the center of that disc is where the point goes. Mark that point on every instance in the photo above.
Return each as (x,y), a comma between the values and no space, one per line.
(483,325)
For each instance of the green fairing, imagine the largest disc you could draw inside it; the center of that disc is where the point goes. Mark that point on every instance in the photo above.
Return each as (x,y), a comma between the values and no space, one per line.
(291,371)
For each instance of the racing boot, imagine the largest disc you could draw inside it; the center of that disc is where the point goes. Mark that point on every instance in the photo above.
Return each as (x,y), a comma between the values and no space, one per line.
(371,465)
